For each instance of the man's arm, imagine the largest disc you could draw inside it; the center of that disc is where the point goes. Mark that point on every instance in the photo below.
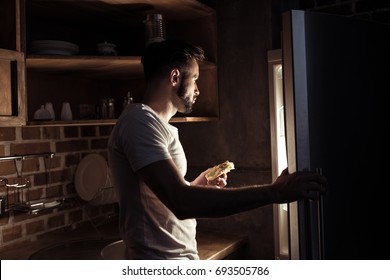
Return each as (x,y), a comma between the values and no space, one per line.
(199,201)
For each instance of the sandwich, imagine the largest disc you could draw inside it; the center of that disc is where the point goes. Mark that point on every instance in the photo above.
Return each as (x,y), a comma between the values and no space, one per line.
(219,169)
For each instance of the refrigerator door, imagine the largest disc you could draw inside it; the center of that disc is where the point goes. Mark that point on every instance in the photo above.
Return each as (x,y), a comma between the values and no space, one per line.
(335,74)
(278,148)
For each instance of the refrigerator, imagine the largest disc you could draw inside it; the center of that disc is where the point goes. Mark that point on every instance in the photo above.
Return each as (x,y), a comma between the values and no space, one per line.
(328,85)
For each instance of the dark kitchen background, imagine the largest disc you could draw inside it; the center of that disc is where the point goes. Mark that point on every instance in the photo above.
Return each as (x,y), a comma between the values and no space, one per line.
(246,31)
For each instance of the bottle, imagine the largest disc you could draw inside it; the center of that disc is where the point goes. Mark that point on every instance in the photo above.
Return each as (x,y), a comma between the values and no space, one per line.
(42,114)
(49,107)
(127,100)
(66,112)
(111,108)
(2,205)
(104,108)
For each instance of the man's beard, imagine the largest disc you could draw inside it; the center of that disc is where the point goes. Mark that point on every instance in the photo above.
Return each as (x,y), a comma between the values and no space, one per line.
(187,101)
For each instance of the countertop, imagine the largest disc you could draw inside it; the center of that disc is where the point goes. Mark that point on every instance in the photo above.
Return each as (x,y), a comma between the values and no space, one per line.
(87,241)
(218,246)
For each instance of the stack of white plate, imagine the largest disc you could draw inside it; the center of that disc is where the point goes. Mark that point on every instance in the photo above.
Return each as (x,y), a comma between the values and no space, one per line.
(93,181)
(53,47)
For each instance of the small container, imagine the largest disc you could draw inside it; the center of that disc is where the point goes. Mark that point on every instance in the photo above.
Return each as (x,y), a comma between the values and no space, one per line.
(111,108)
(104,108)
(49,107)
(42,114)
(2,205)
(106,49)
(127,100)
(87,111)
(66,112)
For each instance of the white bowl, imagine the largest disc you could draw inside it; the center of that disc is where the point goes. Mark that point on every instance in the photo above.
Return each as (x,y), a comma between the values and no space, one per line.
(106,48)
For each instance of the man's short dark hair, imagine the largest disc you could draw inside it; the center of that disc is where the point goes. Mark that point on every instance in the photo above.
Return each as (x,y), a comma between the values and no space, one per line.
(159,57)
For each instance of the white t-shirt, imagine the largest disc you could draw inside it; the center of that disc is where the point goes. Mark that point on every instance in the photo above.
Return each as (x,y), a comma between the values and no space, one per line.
(149,229)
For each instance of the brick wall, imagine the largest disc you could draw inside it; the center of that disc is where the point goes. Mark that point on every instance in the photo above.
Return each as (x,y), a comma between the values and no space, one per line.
(51,179)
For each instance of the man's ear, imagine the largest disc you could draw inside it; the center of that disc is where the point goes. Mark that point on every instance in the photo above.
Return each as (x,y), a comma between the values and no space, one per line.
(175,76)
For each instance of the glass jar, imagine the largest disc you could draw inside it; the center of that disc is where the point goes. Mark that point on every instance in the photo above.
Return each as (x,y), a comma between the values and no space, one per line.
(154,28)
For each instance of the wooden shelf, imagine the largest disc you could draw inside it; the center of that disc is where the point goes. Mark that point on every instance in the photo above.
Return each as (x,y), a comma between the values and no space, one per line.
(96,66)
(112,121)
(93,66)
(73,122)
(122,10)
(193,119)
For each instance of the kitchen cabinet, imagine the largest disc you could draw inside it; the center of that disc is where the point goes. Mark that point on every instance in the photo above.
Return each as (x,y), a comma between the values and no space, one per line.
(86,77)
(12,66)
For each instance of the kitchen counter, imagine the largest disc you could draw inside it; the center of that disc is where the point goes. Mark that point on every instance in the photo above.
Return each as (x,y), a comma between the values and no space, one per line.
(87,241)
(218,246)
